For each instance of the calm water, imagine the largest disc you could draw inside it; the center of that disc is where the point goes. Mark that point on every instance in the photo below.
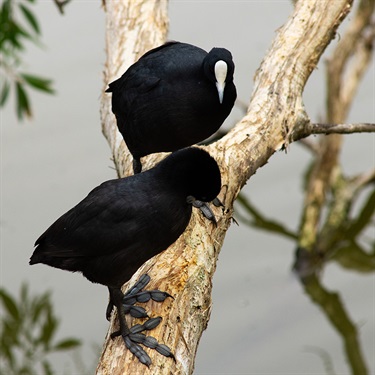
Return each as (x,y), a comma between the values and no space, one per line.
(264,320)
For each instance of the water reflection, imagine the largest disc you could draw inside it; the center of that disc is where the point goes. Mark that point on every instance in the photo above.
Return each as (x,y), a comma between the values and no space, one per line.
(333,308)
(348,244)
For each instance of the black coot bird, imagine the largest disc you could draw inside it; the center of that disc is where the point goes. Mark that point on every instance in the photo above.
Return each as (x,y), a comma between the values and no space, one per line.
(174,96)
(124,222)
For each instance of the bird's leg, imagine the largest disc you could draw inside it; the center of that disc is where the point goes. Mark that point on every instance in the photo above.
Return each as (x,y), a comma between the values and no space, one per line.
(204,208)
(137,165)
(133,336)
(116,297)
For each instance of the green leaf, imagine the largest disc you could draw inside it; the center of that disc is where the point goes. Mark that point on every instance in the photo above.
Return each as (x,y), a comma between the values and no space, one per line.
(24,297)
(5,11)
(4,92)
(19,31)
(38,83)
(10,305)
(364,217)
(11,331)
(39,306)
(48,330)
(24,370)
(67,344)
(23,104)
(47,368)
(30,18)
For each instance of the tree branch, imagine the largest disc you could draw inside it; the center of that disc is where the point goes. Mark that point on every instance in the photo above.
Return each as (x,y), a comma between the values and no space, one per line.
(61,5)
(341,87)
(319,128)
(334,309)
(349,61)
(186,269)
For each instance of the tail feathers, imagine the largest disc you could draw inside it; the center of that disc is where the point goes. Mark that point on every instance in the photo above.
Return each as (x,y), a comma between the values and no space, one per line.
(34,260)
(68,264)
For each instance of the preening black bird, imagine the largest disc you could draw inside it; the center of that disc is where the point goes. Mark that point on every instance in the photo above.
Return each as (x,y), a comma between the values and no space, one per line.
(124,222)
(174,96)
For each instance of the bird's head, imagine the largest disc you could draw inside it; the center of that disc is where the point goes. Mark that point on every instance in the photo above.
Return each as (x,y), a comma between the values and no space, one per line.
(218,66)
(194,172)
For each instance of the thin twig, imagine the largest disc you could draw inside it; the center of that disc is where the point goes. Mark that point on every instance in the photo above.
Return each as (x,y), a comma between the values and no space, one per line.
(61,4)
(320,128)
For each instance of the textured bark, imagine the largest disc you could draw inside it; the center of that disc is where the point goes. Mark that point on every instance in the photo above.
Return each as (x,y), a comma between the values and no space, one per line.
(325,216)
(275,117)
(344,70)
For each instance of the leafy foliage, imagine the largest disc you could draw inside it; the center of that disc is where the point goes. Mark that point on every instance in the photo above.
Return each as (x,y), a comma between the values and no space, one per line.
(18,26)
(27,336)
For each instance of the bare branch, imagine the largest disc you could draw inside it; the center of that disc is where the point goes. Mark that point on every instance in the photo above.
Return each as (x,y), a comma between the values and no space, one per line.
(342,128)
(318,128)
(348,62)
(344,70)
(61,4)
(362,180)
(185,270)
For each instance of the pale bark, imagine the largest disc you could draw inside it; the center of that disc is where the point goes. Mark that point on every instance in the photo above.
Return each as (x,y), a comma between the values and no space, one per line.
(344,70)
(274,117)
(339,128)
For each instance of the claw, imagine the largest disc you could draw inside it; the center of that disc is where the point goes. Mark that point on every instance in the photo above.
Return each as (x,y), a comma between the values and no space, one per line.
(150,341)
(108,311)
(206,210)
(217,202)
(115,334)
(141,283)
(159,296)
(165,351)
(145,296)
(137,351)
(135,311)
(151,323)
(133,336)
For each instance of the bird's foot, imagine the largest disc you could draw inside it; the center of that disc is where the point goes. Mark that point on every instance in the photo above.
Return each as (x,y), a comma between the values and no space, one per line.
(204,208)
(218,203)
(136,294)
(134,337)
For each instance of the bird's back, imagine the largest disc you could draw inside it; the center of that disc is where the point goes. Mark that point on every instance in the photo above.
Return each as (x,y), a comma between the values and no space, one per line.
(115,229)
(164,102)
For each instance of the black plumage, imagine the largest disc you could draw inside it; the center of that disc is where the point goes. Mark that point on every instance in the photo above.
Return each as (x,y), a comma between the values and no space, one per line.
(174,96)
(124,222)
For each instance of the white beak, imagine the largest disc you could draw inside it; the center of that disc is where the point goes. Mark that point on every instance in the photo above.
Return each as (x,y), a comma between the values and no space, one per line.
(221,70)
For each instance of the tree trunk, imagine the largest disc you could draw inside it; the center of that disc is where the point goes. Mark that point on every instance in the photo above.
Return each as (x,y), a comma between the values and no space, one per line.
(275,117)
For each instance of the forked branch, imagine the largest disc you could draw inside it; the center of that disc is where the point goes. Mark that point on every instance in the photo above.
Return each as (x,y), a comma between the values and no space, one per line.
(275,112)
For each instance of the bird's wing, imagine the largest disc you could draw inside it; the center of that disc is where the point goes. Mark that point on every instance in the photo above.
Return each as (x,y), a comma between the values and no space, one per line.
(105,221)
(160,48)
(141,76)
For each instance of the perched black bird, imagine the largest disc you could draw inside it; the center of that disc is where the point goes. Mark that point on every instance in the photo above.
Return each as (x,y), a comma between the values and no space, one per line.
(124,222)
(174,96)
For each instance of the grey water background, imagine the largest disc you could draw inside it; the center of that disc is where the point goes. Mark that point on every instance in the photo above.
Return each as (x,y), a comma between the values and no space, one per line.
(261,321)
